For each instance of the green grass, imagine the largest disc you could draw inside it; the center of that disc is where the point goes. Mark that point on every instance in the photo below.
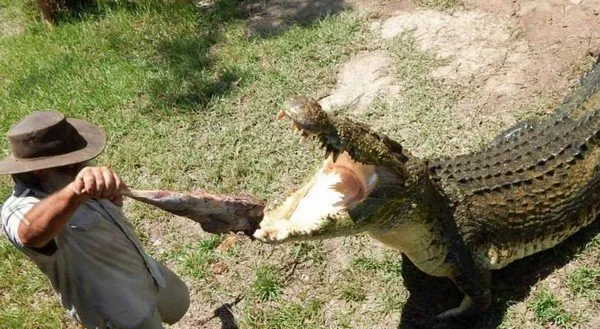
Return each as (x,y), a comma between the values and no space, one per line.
(370,264)
(287,315)
(267,283)
(25,294)
(548,309)
(387,270)
(352,293)
(187,99)
(195,261)
(585,281)
(183,89)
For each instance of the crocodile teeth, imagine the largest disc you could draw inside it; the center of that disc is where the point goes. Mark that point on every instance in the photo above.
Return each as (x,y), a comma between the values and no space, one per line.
(335,156)
(328,150)
(280,115)
(303,135)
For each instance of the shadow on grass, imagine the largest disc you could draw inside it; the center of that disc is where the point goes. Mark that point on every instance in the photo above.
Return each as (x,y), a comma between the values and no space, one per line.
(226,316)
(190,78)
(191,83)
(187,76)
(76,10)
(430,296)
(194,79)
(271,17)
(265,17)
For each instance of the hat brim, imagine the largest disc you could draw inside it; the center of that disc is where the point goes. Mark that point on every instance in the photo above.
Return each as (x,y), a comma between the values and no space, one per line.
(96,142)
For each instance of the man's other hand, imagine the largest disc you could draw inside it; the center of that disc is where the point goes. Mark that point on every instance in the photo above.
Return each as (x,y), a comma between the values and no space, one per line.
(99,183)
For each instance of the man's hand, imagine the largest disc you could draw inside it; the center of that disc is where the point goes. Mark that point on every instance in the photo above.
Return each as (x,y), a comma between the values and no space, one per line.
(99,183)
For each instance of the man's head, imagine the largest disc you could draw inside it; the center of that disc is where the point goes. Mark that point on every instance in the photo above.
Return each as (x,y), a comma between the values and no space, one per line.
(51,179)
(48,148)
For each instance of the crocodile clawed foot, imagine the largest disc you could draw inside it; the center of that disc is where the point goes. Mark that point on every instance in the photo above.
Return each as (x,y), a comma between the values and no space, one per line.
(467,308)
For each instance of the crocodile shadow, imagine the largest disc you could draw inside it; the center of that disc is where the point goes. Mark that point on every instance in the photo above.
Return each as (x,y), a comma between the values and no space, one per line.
(430,295)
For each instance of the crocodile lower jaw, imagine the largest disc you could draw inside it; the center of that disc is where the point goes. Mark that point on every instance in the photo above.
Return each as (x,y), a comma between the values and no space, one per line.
(324,201)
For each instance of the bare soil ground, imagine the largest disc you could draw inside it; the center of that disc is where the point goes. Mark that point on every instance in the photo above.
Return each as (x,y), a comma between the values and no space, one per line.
(9,24)
(515,59)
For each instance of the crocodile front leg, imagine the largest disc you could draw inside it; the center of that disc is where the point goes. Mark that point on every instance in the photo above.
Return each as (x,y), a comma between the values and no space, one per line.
(472,278)
(439,250)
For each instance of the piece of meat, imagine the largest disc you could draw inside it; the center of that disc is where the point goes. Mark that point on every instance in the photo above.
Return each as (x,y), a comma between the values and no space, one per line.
(215,213)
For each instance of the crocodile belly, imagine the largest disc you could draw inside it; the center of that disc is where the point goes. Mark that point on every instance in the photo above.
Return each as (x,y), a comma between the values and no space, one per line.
(420,244)
(498,257)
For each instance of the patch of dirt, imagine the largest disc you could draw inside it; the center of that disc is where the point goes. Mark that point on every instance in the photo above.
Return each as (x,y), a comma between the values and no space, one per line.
(382,8)
(362,80)
(486,52)
(558,34)
(499,70)
(9,26)
(595,323)
(510,59)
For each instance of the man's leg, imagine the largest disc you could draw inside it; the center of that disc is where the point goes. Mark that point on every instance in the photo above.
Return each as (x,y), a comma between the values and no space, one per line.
(153,322)
(174,299)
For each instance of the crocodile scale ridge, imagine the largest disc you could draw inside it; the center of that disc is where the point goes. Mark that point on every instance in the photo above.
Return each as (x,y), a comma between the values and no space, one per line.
(534,185)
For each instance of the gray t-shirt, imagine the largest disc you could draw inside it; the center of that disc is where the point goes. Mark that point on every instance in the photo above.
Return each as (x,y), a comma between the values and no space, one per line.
(97,263)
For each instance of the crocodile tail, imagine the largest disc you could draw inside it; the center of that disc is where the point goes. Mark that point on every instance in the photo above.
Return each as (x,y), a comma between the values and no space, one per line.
(588,89)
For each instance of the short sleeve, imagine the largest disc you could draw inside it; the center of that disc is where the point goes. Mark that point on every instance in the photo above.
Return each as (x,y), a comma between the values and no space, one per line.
(13,213)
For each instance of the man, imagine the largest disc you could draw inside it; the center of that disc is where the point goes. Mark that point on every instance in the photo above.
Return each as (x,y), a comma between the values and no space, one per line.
(65,215)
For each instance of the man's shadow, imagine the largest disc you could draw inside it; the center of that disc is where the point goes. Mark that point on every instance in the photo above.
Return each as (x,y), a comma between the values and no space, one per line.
(430,296)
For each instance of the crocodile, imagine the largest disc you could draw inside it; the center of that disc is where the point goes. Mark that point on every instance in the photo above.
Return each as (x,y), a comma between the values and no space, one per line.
(459,217)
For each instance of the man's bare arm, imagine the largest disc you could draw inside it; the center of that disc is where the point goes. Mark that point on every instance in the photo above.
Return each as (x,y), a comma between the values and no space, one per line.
(47,218)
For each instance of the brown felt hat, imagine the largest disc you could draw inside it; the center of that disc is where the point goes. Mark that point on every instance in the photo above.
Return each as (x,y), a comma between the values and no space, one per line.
(46,139)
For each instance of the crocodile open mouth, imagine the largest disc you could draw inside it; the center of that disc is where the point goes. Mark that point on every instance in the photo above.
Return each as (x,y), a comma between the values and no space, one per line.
(338,186)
